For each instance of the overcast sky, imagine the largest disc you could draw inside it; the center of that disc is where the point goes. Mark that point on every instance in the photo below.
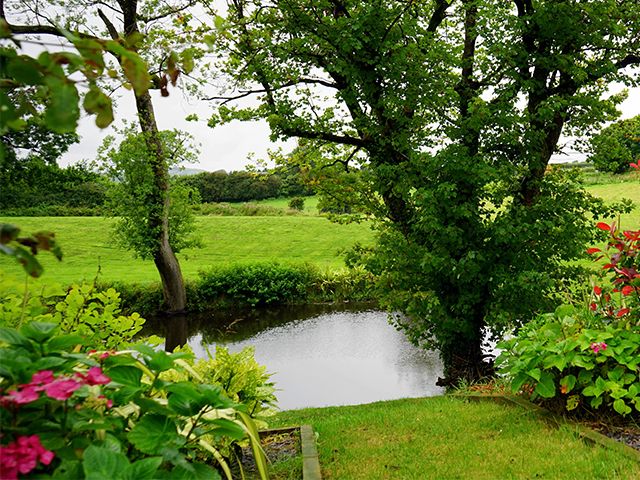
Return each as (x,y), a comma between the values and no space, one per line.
(228,147)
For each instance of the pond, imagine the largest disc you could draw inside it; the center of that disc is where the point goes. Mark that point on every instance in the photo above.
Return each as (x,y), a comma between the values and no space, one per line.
(319,355)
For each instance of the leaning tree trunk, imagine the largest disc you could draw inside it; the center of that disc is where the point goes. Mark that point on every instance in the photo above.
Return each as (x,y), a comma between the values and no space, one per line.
(173,288)
(158,222)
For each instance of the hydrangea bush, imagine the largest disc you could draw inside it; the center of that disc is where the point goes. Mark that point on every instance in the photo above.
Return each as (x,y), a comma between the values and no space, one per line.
(108,414)
(586,357)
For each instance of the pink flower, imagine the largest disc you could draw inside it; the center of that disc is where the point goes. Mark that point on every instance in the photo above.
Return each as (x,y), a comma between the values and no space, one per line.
(43,376)
(596,347)
(108,402)
(22,456)
(28,394)
(62,389)
(95,377)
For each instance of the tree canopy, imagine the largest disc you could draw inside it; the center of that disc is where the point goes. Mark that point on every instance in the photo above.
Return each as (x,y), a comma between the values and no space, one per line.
(452,110)
(617,146)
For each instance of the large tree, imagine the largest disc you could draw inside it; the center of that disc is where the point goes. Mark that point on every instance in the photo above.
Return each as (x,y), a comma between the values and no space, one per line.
(452,110)
(153,29)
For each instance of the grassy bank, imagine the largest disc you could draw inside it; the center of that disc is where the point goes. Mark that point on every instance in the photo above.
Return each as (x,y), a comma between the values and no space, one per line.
(446,438)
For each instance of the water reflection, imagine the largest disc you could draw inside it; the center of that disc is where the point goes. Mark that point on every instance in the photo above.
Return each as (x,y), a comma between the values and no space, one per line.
(332,358)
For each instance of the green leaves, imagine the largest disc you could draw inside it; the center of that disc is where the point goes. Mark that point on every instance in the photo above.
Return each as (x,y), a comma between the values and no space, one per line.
(155,433)
(101,463)
(557,357)
(96,102)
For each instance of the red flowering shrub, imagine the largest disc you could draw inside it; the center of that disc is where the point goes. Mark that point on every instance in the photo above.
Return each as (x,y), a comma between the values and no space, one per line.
(587,357)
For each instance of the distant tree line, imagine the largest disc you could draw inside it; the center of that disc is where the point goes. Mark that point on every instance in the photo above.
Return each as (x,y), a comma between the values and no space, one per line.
(246,186)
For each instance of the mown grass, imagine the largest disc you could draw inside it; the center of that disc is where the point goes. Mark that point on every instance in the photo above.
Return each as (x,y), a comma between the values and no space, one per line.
(310,204)
(447,438)
(87,243)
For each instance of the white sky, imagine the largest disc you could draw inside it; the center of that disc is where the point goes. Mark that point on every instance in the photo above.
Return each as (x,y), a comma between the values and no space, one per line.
(229,147)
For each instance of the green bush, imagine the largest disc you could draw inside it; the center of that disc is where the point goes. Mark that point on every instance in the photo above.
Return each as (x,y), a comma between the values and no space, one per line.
(586,357)
(255,284)
(617,146)
(296,203)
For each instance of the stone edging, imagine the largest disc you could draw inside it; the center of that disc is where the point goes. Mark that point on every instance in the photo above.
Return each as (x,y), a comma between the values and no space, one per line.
(586,434)
(310,460)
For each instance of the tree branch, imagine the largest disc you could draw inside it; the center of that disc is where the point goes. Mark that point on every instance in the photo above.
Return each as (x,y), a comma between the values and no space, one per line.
(439,14)
(110,27)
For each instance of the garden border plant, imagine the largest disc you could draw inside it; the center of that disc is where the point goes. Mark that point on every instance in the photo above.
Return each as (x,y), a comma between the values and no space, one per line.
(585,359)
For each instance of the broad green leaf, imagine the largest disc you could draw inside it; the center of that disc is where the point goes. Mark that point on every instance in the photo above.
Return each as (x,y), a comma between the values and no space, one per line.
(568,381)
(142,469)
(125,375)
(546,387)
(153,433)
(62,111)
(98,103)
(621,407)
(64,342)
(100,463)
(25,70)
(38,331)
(197,471)
(12,337)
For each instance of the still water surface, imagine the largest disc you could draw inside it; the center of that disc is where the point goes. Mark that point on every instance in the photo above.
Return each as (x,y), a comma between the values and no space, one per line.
(330,358)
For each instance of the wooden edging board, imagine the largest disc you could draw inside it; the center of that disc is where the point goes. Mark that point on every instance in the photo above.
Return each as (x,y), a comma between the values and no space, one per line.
(310,460)
(586,434)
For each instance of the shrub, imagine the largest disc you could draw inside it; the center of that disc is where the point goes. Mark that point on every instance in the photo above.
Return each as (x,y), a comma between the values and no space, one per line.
(617,146)
(296,203)
(586,356)
(107,414)
(255,284)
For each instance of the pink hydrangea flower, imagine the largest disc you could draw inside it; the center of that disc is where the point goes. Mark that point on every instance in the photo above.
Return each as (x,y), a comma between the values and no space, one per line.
(597,347)
(22,456)
(62,388)
(41,377)
(95,377)
(25,395)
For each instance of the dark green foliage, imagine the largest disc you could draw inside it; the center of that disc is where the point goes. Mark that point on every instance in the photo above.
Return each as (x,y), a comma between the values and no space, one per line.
(296,203)
(220,186)
(617,146)
(451,111)
(256,284)
(44,187)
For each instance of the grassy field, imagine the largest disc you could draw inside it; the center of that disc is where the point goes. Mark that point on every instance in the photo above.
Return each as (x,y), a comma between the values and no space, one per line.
(310,204)
(87,241)
(446,438)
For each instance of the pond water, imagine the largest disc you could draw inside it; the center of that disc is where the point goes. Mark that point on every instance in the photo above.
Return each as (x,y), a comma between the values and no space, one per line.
(318,358)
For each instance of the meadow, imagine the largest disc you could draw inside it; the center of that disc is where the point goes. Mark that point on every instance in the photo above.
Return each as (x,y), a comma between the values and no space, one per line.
(88,244)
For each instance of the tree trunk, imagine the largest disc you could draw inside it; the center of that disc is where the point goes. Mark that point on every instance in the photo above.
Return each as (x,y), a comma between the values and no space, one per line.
(173,288)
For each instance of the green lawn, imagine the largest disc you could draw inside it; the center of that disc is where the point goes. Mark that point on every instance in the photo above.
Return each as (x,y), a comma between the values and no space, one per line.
(445,438)
(310,204)
(87,242)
